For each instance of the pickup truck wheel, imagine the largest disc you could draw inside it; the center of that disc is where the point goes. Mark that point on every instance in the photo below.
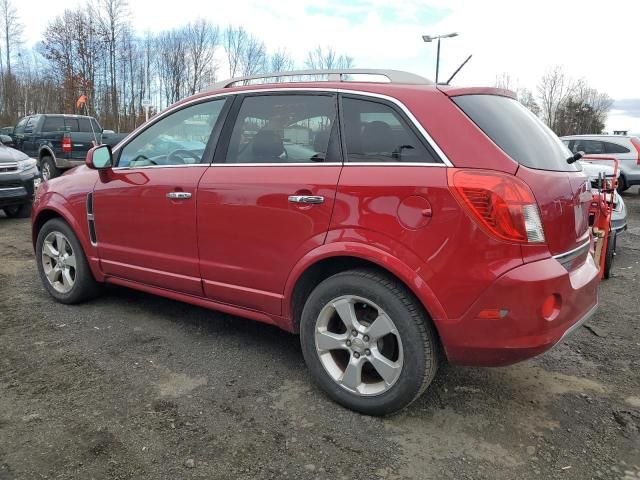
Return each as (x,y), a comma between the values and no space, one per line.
(19,211)
(368,342)
(62,265)
(49,169)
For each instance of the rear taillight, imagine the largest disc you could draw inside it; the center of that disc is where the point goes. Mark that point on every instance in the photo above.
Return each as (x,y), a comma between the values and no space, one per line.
(636,143)
(501,204)
(66,145)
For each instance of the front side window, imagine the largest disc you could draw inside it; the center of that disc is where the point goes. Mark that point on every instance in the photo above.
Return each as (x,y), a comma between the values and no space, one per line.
(375,132)
(283,129)
(31,123)
(180,138)
(20,126)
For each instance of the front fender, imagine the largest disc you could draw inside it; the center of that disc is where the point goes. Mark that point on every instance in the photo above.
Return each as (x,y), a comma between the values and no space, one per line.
(72,211)
(394,257)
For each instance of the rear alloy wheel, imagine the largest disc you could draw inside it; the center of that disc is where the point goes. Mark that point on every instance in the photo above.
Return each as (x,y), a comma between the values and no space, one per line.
(49,169)
(368,342)
(18,211)
(62,264)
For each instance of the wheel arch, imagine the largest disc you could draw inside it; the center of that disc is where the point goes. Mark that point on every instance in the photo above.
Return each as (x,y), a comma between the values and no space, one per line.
(308,274)
(45,151)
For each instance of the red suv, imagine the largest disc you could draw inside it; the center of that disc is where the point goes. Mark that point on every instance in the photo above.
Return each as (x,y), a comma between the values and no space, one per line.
(392,224)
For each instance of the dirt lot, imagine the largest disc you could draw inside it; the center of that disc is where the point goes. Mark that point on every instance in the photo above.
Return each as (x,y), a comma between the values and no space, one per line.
(132,386)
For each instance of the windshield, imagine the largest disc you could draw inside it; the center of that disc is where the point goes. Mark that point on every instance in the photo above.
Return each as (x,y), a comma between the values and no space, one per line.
(517,131)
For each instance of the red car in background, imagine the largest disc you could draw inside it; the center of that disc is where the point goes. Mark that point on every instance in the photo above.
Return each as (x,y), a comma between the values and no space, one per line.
(392,224)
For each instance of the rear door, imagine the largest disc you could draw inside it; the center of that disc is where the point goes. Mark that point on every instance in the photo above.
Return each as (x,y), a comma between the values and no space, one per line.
(268,198)
(561,189)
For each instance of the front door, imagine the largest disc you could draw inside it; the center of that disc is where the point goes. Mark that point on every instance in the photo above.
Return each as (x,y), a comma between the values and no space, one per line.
(268,198)
(145,209)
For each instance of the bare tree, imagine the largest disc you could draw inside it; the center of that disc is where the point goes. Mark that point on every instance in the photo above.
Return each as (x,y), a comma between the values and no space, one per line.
(201,40)
(280,61)
(326,58)
(12,29)
(235,39)
(254,56)
(553,90)
(525,96)
(504,81)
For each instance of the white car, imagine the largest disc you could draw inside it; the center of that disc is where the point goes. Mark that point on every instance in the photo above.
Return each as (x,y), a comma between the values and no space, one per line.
(626,148)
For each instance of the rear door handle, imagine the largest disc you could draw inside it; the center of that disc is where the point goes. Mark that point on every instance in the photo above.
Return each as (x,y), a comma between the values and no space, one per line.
(179,195)
(308,199)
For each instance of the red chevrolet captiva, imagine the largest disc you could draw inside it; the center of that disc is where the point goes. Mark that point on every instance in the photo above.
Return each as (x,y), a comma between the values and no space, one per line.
(393,224)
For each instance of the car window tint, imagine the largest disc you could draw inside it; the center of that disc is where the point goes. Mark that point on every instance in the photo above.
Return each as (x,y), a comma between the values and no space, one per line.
(20,126)
(84,125)
(71,124)
(53,124)
(589,147)
(31,122)
(615,148)
(375,132)
(96,127)
(180,138)
(517,131)
(283,129)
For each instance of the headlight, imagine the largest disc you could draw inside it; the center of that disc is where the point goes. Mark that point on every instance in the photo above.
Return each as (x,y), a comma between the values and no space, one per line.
(26,164)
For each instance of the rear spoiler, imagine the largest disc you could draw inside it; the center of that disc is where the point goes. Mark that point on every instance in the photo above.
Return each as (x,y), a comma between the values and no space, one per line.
(458,91)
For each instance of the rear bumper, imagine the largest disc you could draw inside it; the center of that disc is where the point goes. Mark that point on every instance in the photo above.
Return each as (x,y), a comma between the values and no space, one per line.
(523,332)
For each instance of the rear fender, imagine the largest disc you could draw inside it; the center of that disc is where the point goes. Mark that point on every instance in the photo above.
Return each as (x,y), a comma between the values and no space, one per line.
(398,260)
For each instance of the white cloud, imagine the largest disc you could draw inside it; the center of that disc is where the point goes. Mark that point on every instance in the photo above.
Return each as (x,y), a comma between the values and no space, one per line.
(589,38)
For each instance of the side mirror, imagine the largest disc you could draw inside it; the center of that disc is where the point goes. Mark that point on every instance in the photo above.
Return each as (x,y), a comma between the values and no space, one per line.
(100,157)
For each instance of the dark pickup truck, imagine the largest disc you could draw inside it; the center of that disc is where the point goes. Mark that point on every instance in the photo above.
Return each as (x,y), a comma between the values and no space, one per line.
(59,142)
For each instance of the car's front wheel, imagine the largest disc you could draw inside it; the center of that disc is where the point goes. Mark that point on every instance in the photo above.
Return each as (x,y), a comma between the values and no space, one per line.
(367,342)
(62,265)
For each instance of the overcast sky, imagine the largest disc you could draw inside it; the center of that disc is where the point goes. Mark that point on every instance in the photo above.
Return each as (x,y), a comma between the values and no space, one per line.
(596,40)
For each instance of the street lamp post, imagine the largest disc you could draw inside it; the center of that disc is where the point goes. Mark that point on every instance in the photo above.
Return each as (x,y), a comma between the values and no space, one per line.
(429,39)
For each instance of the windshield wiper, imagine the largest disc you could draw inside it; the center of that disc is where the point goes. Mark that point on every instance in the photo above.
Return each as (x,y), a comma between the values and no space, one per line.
(574,158)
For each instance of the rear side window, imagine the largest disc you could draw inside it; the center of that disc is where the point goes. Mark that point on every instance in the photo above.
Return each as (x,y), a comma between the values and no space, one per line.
(53,124)
(71,124)
(589,147)
(375,132)
(517,131)
(615,148)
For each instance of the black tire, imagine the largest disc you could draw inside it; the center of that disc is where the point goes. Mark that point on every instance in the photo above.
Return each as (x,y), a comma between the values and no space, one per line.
(414,328)
(622,184)
(610,255)
(85,286)
(49,169)
(18,211)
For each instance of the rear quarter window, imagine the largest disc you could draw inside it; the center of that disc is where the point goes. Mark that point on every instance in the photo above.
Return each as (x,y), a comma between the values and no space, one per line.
(517,131)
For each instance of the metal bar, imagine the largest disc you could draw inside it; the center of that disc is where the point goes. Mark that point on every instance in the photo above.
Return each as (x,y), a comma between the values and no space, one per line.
(339,75)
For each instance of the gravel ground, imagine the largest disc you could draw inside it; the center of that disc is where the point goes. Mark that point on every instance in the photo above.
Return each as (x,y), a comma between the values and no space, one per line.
(132,386)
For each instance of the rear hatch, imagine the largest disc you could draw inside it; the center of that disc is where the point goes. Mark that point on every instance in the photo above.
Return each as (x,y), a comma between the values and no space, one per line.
(561,189)
(83,134)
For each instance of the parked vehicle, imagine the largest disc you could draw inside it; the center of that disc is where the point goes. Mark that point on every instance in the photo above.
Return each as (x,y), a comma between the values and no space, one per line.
(619,214)
(19,179)
(427,223)
(6,131)
(626,148)
(59,142)
(7,141)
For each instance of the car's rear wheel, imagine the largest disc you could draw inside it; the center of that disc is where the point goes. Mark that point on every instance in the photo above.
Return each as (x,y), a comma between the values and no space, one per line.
(49,169)
(62,265)
(18,211)
(610,255)
(622,184)
(368,342)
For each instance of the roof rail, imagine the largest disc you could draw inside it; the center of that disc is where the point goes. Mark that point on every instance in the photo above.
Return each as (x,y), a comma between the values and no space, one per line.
(332,75)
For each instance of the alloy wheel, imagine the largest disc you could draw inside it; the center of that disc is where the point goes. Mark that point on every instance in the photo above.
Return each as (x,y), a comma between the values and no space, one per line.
(359,345)
(59,262)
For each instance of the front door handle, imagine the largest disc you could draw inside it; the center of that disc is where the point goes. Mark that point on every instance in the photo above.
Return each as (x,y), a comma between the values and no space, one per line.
(308,199)
(178,195)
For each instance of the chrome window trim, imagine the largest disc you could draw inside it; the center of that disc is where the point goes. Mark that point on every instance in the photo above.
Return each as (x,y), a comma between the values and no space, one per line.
(445,160)
(11,189)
